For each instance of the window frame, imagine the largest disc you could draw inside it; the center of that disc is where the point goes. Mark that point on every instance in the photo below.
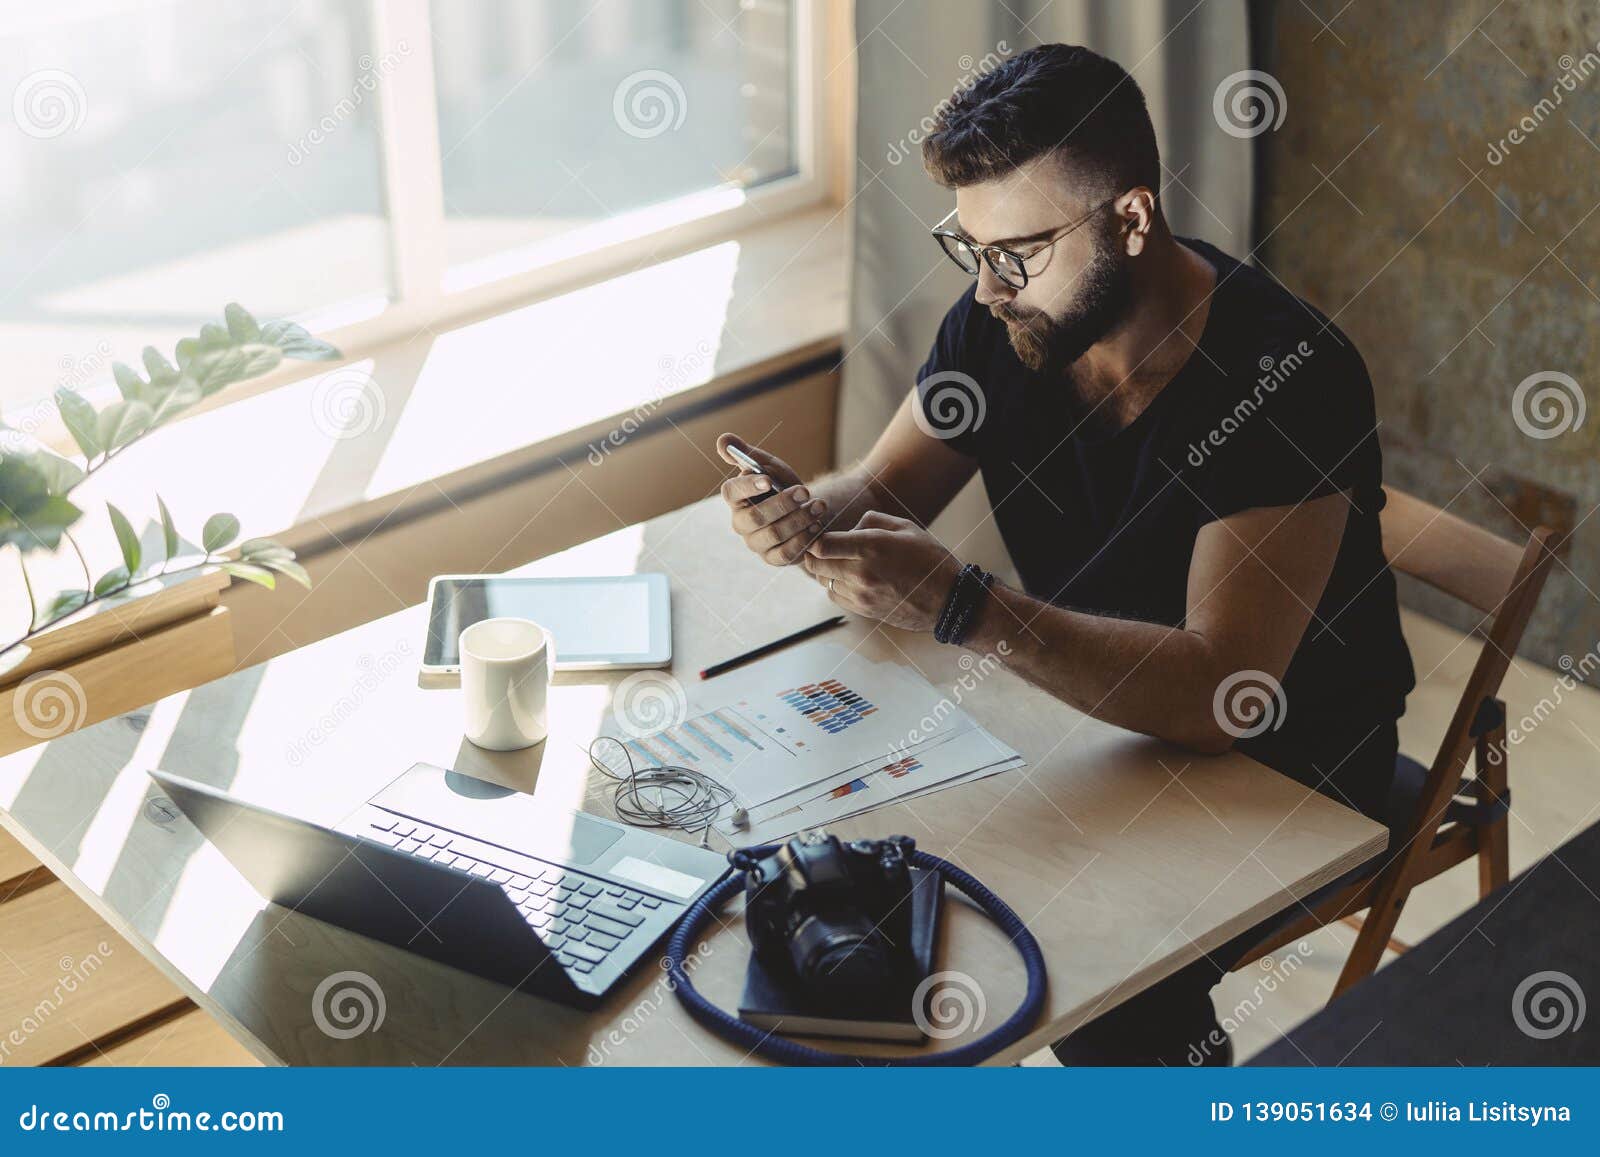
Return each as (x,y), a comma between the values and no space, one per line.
(426,294)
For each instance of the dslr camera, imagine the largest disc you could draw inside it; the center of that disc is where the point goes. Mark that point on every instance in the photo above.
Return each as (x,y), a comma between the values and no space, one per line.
(834,918)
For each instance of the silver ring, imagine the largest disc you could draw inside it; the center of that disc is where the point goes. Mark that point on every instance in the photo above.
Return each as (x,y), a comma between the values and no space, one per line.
(830,586)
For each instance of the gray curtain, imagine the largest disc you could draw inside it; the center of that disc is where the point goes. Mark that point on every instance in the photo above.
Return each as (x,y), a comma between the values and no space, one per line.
(910,57)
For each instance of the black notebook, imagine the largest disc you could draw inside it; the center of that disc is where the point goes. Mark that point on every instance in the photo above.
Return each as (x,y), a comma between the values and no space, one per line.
(772,1003)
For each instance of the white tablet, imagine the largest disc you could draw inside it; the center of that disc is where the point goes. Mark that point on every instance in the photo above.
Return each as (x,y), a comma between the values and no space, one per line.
(598,623)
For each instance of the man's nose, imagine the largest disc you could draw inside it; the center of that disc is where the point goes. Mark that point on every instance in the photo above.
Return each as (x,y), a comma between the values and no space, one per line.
(991,290)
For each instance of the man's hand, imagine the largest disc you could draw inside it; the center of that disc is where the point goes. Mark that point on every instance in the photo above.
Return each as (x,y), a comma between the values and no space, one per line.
(887,568)
(772,512)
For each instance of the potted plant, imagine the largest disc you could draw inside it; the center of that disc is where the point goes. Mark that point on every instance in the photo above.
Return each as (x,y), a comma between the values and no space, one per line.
(36,483)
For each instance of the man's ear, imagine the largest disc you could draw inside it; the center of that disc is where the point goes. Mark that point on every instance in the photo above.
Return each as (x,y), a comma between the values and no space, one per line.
(1137,209)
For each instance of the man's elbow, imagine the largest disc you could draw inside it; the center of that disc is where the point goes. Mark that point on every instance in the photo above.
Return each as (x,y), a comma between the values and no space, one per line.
(1201,729)
(1238,705)
(1203,740)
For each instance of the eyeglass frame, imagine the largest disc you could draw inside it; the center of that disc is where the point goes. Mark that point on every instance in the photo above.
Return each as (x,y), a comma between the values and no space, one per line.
(984,251)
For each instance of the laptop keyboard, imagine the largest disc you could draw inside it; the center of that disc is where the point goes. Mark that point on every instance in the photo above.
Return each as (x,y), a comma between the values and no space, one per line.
(581,920)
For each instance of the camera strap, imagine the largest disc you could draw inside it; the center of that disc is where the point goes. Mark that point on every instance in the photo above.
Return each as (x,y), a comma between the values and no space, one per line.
(787,1052)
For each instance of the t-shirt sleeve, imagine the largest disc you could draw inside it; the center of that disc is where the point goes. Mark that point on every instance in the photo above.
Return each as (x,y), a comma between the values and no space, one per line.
(950,402)
(1301,425)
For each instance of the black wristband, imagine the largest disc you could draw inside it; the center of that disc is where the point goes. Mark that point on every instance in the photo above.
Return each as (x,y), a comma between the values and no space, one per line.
(967,596)
(947,616)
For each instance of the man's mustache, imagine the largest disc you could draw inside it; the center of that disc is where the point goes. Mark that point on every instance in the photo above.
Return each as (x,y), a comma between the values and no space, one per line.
(1010,316)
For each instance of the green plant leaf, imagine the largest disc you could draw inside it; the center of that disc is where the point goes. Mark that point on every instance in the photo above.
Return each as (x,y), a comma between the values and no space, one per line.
(126,538)
(122,422)
(129,383)
(212,370)
(157,366)
(112,580)
(261,576)
(39,526)
(79,418)
(178,397)
(60,474)
(169,530)
(241,326)
(31,470)
(220,530)
(296,342)
(274,556)
(34,511)
(261,549)
(63,603)
(288,568)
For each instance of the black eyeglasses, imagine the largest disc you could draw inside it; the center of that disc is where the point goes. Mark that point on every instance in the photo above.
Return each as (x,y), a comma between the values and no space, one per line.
(1008,265)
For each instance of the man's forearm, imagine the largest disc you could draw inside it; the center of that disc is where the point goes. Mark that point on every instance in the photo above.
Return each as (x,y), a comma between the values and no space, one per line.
(1146,677)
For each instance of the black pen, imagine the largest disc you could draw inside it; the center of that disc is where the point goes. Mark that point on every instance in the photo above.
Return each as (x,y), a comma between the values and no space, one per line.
(767,648)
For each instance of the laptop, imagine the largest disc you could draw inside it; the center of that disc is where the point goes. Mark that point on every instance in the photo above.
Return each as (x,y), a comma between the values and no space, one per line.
(551,901)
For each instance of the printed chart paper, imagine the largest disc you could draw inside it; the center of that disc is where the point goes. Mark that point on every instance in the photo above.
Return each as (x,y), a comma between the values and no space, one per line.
(922,770)
(793,733)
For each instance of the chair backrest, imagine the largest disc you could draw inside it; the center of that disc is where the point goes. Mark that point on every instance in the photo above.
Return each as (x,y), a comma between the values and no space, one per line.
(1495,577)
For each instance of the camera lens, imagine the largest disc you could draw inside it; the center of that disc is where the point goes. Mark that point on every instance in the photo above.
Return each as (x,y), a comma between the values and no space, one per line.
(842,960)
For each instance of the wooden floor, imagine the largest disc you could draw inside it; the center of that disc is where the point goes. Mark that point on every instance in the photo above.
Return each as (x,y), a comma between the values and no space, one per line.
(49,940)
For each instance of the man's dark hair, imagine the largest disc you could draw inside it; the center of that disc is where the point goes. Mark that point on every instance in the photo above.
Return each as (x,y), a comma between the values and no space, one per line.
(1056,98)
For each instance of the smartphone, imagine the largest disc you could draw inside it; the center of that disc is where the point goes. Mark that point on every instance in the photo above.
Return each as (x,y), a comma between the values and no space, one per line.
(751,466)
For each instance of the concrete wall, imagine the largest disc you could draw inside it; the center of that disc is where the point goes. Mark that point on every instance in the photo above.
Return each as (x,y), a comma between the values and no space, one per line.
(1459,255)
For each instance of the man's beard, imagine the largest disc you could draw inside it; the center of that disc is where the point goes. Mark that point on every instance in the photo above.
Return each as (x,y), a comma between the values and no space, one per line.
(1049,345)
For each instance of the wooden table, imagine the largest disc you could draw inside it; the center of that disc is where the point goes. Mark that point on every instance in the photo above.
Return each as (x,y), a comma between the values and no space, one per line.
(1126,857)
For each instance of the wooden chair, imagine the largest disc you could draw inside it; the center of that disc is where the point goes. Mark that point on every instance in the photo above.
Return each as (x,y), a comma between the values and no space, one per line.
(1454,816)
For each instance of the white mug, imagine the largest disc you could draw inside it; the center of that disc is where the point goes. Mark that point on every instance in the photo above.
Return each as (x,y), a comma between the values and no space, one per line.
(505,682)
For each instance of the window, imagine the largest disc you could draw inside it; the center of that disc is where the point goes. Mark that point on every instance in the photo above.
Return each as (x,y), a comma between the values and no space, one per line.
(587,115)
(369,166)
(145,177)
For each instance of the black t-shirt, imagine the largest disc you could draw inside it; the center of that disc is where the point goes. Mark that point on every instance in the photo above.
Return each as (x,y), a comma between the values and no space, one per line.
(1275,408)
